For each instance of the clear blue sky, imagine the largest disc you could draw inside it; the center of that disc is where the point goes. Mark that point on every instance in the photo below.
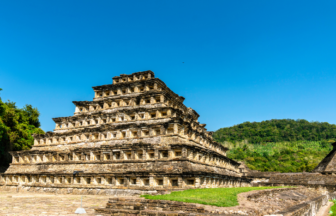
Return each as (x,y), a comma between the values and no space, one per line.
(243,60)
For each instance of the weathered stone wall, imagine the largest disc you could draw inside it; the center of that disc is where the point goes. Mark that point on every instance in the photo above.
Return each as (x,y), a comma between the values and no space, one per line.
(82,191)
(310,180)
(313,180)
(261,193)
(309,208)
(126,206)
(305,179)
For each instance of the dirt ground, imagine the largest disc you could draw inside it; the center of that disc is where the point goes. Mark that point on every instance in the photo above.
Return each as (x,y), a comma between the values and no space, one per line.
(29,204)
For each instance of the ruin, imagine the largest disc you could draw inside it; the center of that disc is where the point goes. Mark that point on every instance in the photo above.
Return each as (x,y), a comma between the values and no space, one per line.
(327,165)
(136,134)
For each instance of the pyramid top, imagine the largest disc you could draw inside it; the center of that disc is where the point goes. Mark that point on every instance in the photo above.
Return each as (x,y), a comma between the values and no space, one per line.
(142,75)
(123,82)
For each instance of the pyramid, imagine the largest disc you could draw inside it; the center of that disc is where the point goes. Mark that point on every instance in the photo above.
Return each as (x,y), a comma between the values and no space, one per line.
(136,134)
(328,164)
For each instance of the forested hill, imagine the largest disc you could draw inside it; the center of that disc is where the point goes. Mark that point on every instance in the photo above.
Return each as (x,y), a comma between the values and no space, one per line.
(277,130)
(282,145)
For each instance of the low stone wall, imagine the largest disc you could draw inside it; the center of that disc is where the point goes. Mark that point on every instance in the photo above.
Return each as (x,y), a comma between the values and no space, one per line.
(134,207)
(329,188)
(309,208)
(268,192)
(310,180)
(297,178)
(81,191)
(303,178)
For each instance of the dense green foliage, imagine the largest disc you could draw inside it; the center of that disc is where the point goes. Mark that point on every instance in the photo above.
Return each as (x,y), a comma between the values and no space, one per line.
(16,127)
(277,130)
(282,156)
(222,197)
(333,209)
(282,145)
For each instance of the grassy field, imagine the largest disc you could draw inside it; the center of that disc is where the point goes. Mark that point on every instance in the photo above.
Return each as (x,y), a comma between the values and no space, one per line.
(222,197)
(333,208)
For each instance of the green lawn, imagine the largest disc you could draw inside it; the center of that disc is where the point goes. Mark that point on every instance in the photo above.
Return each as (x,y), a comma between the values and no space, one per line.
(333,209)
(222,197)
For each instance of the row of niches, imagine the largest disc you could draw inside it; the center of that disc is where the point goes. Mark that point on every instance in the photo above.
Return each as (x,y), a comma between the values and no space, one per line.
(120,117)
(136,133)
(132,78)
(127,90)
(153,114)
(132,102)
(118,155)
(125,181)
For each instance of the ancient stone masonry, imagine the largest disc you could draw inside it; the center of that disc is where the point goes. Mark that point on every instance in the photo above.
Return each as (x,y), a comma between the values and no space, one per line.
(328,165)
(135,134)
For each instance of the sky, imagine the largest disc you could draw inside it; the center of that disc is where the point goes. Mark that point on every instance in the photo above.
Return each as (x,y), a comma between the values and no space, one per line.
(233,61)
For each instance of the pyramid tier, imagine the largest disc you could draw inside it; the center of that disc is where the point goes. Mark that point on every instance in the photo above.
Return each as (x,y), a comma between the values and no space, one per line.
(104,166)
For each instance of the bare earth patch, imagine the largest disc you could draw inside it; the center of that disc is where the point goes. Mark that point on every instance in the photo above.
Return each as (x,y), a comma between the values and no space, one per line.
(29,204)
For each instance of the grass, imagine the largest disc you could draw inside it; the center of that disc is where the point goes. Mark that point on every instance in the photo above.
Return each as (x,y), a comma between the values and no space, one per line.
(221,197)
(333,208)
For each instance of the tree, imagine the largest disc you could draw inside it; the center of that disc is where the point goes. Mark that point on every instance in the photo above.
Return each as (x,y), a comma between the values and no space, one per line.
(16,128)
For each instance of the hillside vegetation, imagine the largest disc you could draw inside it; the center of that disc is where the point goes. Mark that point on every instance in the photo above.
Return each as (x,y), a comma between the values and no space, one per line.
(277,130)
(278,145)
(16,127)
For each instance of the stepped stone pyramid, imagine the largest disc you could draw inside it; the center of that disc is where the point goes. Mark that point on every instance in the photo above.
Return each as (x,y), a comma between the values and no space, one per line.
(136,135)
(328,165)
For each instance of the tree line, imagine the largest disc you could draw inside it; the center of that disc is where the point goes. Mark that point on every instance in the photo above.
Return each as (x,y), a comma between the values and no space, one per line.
(277,130)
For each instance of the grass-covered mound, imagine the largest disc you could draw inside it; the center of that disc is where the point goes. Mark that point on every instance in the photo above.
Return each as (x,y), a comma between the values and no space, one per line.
(222,197)
(280,157)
